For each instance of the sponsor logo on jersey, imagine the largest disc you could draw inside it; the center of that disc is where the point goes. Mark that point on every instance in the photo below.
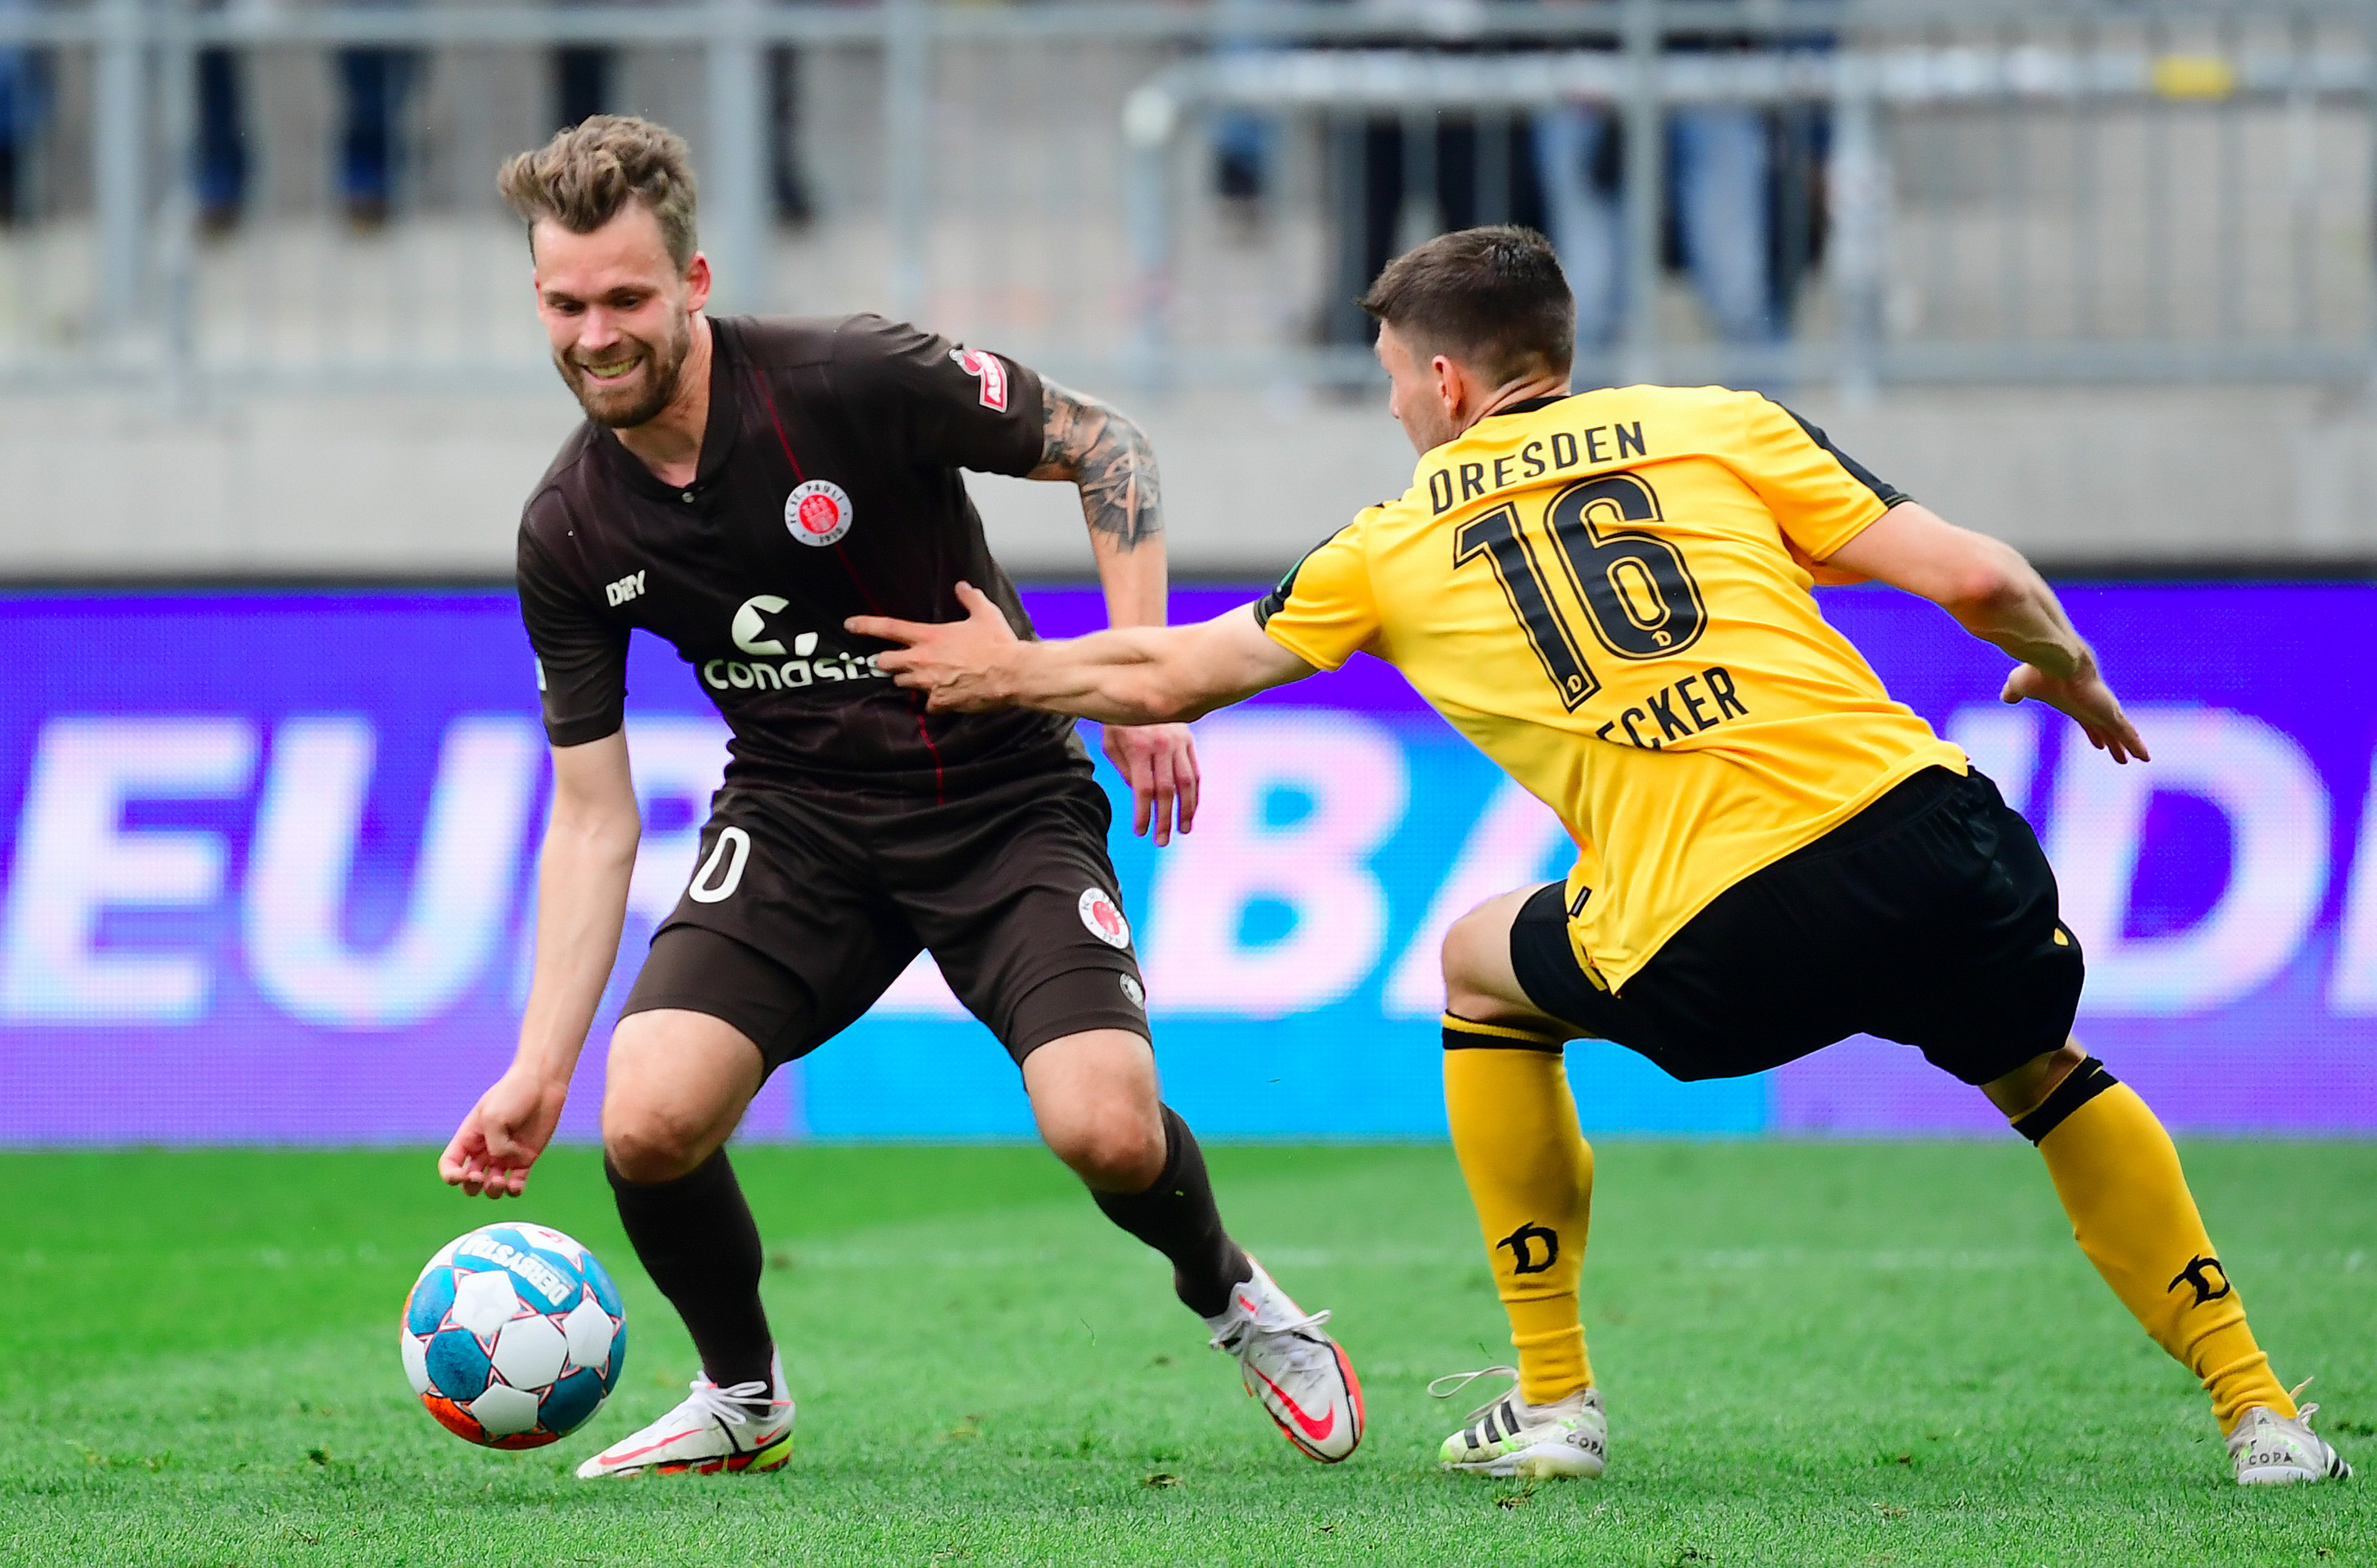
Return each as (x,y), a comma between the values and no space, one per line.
(758,631)
(753,633)
(627,587)
(1134,991)
(988,369)
(818,512)
(1103,917)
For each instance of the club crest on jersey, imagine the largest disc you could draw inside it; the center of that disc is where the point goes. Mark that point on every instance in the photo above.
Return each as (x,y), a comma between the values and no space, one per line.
(988,369)
(1103,917)
(818,513)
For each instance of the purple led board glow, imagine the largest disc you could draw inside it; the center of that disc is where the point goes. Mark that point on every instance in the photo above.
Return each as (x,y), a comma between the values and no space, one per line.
(270,877)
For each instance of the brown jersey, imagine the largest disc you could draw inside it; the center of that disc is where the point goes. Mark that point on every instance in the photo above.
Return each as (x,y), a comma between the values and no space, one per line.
(828,487)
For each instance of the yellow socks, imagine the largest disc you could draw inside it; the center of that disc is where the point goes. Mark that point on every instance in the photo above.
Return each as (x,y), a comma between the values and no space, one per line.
(1529,1175)
(2119,1176)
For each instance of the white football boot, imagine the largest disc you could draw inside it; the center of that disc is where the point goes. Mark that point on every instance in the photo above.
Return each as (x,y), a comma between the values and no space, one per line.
(1510,1437)
(740,1430)
(1298,1373)
(2270,1450)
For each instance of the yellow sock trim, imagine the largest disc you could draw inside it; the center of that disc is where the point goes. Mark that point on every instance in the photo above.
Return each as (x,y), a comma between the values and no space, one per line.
(1529,1175)
(2120,1181)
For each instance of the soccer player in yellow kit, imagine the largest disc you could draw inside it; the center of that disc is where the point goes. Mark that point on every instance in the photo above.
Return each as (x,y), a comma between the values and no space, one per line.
(1607,593)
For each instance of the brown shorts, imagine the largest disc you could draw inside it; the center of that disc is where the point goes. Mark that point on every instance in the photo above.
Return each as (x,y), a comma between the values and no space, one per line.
(803,907)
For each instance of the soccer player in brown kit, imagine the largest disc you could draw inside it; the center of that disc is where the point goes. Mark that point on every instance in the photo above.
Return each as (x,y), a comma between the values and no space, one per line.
(740,488)
(1607,593)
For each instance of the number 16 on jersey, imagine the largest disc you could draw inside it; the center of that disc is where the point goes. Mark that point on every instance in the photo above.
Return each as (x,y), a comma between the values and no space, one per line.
(1630,587)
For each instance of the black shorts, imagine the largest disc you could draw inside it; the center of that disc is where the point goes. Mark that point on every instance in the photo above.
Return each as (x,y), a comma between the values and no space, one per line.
(803,907)
(1928,917)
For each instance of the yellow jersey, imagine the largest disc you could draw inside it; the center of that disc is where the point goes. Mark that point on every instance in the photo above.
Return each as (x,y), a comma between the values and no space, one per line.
(1599,591)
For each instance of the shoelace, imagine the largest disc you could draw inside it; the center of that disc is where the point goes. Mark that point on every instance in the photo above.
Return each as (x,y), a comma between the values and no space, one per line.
(1300,1354)
(1456,1381)
(2303,1412)
(732,1404)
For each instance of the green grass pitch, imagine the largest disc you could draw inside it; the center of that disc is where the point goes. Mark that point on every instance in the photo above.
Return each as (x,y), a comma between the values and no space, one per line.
(1812,1353)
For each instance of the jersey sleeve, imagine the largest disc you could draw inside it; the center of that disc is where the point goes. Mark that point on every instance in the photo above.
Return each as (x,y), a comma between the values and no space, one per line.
(929,400)
(1822,497)
(1323,611)
(582,661)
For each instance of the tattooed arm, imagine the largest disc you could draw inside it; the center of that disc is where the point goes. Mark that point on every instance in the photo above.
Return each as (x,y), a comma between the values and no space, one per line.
(1108,457)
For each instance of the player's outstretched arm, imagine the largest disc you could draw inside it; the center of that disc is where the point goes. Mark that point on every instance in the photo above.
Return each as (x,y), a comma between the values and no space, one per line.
(1999,598)
(581,891)
(1133,675)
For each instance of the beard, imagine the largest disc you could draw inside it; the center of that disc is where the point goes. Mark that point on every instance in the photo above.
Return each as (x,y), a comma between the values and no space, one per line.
(637,399)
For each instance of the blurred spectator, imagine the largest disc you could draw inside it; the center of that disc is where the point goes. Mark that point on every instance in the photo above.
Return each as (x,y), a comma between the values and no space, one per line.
(585,83)
(787,177)
(1242,138)
(581,79)
(1717,203)
(1740,214)
(1406,180)
(221,171)
(374,84)
(1454,164)
(1412,180)
(1740,211)
(24,77)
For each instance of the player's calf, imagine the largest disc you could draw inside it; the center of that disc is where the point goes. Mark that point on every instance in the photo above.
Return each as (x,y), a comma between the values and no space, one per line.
(2119,1176)
(697,1239)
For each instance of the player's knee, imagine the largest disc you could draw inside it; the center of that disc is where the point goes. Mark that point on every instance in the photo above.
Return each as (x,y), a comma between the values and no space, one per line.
(1113,1148)
(2024,1089)
(645,1147)
(1469,945)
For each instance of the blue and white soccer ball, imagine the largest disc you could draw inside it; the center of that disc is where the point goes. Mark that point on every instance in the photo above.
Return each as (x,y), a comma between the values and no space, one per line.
(514,1335)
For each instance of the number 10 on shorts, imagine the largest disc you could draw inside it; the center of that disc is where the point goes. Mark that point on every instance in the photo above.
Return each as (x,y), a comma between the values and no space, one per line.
(721,872)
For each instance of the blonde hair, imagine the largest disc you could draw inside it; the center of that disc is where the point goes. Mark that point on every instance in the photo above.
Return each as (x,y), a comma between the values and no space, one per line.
(586,174)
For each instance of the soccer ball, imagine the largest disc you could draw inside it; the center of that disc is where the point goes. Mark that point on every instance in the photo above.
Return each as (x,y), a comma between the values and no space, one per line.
(513,1335)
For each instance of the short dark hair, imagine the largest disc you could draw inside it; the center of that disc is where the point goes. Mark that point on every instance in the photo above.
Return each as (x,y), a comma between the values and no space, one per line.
(588,174)
(1493,298)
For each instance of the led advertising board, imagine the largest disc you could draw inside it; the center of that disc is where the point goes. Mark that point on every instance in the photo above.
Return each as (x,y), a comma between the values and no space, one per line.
(271,856)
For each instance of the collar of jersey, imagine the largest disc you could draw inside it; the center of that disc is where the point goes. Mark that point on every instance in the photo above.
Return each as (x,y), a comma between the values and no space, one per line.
(727,364)
(1529,405)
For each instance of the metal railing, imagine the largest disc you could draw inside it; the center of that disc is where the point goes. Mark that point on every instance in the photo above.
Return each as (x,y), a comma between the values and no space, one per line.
(2003,191)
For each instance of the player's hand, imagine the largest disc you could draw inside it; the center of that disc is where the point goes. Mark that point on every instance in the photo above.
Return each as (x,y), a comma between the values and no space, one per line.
(953,662)
(1160,760)
(503,1134)
(2086,700)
